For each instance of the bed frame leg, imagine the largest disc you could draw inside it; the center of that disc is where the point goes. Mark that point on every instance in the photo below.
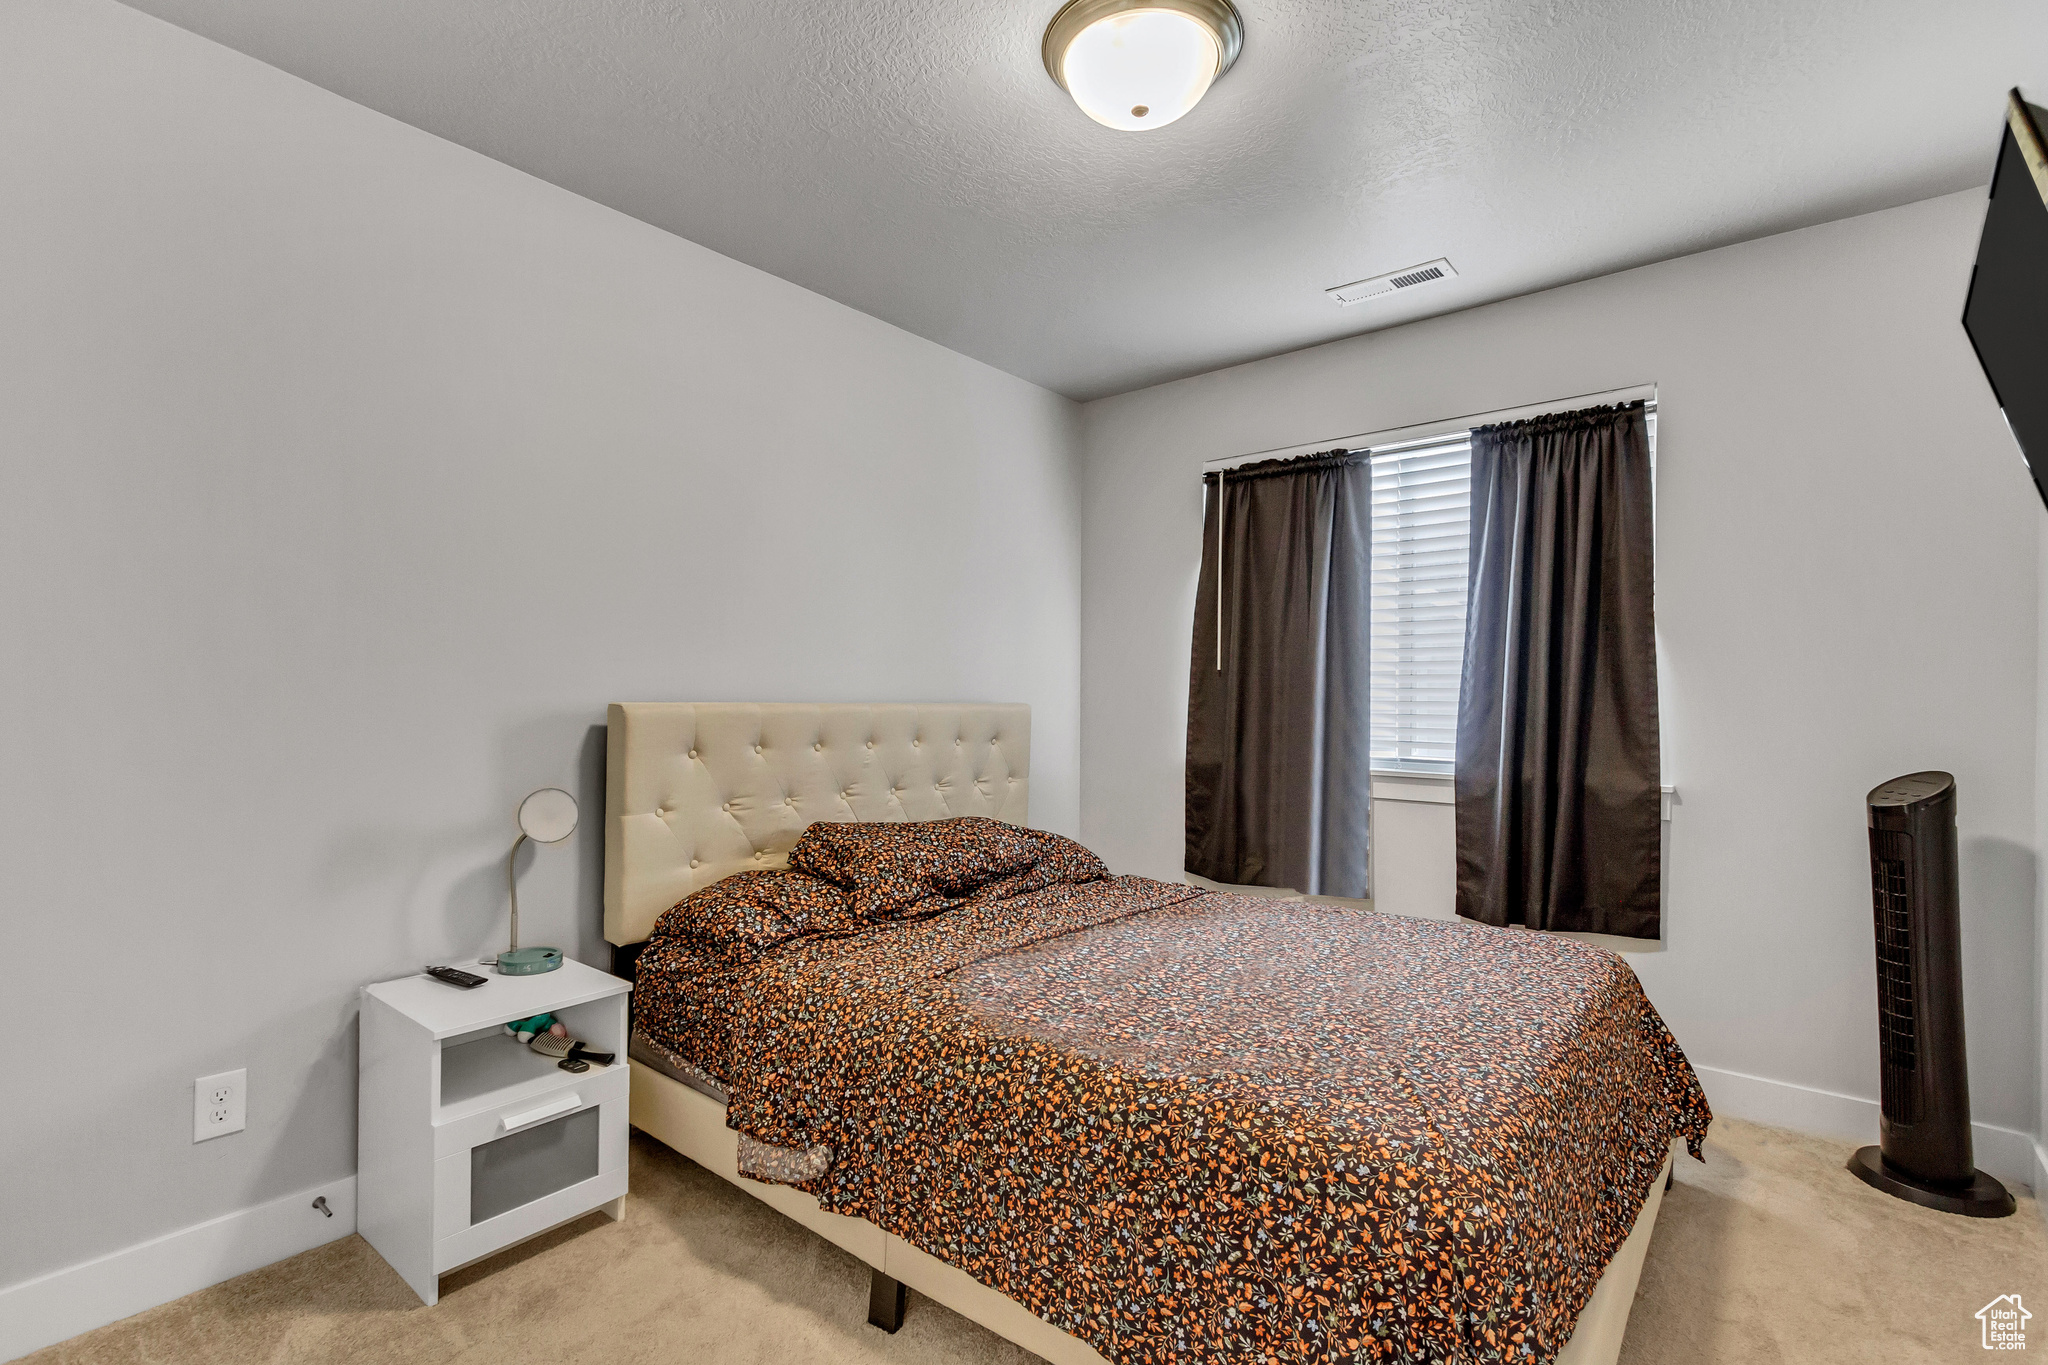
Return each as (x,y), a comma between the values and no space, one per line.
(885,1301)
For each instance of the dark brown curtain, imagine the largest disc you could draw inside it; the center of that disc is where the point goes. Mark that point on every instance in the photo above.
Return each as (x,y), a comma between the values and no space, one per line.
(1279,781)
(1558,768)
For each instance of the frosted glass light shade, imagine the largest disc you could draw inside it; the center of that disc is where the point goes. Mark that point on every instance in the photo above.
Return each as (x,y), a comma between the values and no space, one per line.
(1136,65)
(1140,70)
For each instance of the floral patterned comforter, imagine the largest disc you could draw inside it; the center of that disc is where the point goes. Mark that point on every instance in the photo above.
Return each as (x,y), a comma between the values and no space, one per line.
(1197,1127)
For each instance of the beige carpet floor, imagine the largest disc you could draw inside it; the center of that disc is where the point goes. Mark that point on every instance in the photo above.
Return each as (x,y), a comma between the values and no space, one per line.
(1771,1252)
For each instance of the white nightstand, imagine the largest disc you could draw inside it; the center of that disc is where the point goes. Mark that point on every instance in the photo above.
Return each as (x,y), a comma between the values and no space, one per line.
(467,1140)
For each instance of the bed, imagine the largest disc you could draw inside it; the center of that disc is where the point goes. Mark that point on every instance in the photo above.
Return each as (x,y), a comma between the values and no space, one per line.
(1113,1118)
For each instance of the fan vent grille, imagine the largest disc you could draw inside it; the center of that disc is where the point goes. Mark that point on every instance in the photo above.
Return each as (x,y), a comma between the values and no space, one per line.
(1891,868)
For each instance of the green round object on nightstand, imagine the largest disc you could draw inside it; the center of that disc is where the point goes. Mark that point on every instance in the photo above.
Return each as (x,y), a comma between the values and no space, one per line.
(529,961)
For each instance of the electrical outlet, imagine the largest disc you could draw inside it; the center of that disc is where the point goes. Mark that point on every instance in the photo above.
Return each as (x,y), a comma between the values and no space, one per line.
(220,1105)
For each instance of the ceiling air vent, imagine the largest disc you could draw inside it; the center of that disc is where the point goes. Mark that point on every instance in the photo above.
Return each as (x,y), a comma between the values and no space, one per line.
(1414,277)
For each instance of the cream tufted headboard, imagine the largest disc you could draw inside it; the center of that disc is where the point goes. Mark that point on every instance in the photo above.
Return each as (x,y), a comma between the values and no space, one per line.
(696,791)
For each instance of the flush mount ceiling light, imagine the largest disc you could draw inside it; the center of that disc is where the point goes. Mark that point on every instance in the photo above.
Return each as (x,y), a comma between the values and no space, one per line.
(1135,65)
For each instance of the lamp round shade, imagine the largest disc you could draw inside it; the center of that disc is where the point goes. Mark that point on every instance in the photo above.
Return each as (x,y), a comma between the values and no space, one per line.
(548,816)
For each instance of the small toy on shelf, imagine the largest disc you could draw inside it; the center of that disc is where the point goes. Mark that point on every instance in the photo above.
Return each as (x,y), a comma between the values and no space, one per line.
(524,1029)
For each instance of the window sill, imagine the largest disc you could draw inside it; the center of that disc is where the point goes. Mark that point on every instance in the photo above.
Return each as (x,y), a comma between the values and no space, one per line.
(1396,785)
(1435,789)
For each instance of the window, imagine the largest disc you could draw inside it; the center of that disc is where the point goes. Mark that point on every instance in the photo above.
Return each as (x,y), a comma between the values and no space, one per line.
(1421,523)
(1421,527)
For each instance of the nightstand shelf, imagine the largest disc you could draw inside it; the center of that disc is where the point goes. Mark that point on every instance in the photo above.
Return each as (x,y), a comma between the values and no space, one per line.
(468,1140)
(495,1069)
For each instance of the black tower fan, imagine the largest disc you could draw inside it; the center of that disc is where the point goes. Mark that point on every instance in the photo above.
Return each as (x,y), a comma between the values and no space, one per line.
(1924,1135)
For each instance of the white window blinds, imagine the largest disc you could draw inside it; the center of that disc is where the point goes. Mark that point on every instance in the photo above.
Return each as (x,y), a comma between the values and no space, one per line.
(1421,526)
(1421,530)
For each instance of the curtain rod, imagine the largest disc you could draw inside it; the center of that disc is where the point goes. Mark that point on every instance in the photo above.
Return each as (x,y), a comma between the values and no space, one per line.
(1424,430)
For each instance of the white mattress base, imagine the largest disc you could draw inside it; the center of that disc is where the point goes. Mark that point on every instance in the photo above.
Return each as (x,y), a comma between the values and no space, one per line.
(693,1123)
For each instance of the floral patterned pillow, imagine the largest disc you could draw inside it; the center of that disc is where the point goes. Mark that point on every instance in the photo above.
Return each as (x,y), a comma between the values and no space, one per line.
(1061,861)
(736,919)
(909,870)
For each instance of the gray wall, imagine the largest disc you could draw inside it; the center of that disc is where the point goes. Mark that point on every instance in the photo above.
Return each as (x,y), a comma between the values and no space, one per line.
(2041,891)
(347,476)
(1846,591)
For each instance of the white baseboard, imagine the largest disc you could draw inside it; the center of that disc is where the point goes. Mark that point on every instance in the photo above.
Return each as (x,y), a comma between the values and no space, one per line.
(2041,1180)
(2013,1157)
(57,1306)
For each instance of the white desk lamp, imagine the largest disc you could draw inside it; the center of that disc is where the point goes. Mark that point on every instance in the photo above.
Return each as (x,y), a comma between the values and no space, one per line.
(547,816)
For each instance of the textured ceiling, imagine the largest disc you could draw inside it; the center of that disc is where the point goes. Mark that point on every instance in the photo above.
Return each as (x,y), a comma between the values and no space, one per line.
(911,158)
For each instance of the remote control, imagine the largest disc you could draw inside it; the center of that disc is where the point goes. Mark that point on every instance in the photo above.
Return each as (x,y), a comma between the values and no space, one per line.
(452,976)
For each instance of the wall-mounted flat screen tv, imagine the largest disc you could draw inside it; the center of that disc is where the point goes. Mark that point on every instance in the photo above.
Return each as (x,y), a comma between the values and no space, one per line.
(2006,313)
